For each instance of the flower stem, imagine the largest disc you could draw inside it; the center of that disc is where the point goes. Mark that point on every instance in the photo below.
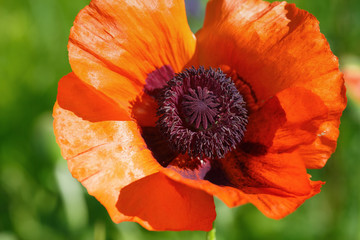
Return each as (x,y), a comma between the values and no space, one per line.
(211,235)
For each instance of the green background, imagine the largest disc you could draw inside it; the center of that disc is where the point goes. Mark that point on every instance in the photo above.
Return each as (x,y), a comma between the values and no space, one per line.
(40,200)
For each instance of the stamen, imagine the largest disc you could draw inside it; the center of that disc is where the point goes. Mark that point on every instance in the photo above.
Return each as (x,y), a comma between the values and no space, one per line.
(202,113)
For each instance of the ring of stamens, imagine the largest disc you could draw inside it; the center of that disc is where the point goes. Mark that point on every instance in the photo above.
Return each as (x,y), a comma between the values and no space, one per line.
(201,113)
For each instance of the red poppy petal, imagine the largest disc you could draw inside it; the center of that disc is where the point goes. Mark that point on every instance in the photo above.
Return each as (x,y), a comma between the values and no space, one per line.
(280,173)
(159,203)
(86,102)
(103,156)
(276,184)
(229,195)
(279,206)
(316,154)
(262,126)
(310,127)
(144,110)
(114,45)
(273,47)
(285,122)
(305,112)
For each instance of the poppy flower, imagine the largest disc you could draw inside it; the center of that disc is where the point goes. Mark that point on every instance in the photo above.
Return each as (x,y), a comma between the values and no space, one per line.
(351,69)
(154,121)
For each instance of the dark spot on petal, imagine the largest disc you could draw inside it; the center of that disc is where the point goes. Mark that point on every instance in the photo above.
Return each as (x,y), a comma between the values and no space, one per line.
(217,175)
(253,148)
(157,79)
(158,145)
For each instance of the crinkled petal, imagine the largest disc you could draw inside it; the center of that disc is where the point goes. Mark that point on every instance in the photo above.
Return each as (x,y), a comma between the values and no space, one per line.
(267,168)
(104,156)
(115,45)
(279,206)
(289,120)
(280,174)
(273,47)
(111,160)
(305,112)
(229,195)
(277,184)
(318,152)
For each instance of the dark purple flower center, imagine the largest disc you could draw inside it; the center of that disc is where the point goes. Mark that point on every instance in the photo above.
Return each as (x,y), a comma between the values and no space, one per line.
(199,106)
(201,113)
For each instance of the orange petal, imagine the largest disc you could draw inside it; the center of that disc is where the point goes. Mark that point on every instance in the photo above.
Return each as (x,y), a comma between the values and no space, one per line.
(86,102)
(279,206)
(144,109)
(277,184)
(285,122)
(103,156)
(275,181)
(262,126)
(159,203)
(273,47)
(317,153)
(280,174)
(229,195)
(305,112)
(310,129)
(114,45)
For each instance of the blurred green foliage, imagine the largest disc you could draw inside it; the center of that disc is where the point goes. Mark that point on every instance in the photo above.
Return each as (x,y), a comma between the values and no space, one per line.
(40,200)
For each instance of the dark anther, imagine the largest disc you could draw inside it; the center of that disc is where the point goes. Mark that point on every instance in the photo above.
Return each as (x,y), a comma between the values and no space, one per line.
(202,113)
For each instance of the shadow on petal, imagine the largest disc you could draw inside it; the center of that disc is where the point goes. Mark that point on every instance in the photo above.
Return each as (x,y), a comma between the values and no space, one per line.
(160,203)
(87,102)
